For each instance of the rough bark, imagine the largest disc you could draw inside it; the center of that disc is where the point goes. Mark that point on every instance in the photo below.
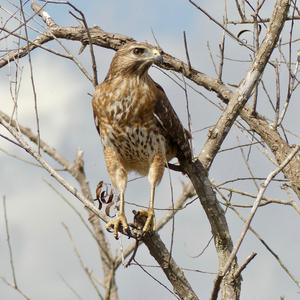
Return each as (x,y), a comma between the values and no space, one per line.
(174,273)
(279,147)
(222,239)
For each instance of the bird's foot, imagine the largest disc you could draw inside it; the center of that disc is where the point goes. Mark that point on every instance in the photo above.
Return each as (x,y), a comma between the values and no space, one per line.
(119,223)
(144,219)
(149,225)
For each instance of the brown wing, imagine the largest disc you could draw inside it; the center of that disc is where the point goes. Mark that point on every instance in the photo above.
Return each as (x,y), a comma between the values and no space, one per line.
(95,105)
(171,126)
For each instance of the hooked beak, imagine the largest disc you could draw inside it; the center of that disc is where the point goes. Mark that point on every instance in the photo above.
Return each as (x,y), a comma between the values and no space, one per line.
(157,56)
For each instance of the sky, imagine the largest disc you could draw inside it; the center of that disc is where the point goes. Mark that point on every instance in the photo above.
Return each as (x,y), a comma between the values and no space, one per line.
(43,253)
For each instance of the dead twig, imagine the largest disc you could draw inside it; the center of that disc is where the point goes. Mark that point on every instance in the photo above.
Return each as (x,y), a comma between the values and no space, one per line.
(242,94)
(186,50)
(273,253)
(14,284)
(83,20)
(51,171)
(255,206)
(32,80)
(245,264)
(85,269)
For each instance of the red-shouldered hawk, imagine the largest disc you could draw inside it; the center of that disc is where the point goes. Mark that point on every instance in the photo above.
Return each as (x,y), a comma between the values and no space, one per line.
(139,129)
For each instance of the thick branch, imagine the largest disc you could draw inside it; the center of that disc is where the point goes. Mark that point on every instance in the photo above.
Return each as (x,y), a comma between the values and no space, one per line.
(216,216)
(188,191)
(175,275)
(278,146)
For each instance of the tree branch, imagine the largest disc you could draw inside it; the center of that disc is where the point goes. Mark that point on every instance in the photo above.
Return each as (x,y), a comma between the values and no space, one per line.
(78,172)
(175,275)
(255,206)
(52,172)
(242,94)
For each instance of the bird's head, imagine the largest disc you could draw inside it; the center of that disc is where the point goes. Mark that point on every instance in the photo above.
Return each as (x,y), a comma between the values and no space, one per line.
(135,58)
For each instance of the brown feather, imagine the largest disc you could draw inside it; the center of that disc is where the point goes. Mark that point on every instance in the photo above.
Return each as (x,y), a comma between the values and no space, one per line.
(171,126)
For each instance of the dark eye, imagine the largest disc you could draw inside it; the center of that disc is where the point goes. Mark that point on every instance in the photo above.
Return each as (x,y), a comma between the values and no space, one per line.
(138,51)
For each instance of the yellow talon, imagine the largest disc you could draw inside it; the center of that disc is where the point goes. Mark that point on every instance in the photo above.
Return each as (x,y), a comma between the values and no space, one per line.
(149,223)
(118,223)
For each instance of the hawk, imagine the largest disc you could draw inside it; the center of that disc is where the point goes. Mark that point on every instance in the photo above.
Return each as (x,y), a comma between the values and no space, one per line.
(139,129)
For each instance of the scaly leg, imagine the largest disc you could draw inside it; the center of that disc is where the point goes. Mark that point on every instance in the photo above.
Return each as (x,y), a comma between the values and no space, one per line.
(120,220)
(118,177)
(155,174)
(149,224)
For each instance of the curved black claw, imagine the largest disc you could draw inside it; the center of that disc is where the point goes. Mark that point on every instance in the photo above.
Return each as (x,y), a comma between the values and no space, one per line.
(119,223)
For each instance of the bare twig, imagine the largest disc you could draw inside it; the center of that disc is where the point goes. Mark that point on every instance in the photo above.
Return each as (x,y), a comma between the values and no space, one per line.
(94,65)
(188,111)
(14,284)
(175,275)
(70,288)
(211,57)
(32,79)
(261,20)
(11,260)
(221,64)
(239,146)
(292,74)
(246,178)
(273,253)
(241,10)
(245,264)
(18,157)
(155,279)
(51,171)
(255,206)
(265,200)
(245,159)
(186,50)
(53,26)
(277,105)
(240,97)
(85,269)
(256,47)
(221,26)
(132,257)
(204,248)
